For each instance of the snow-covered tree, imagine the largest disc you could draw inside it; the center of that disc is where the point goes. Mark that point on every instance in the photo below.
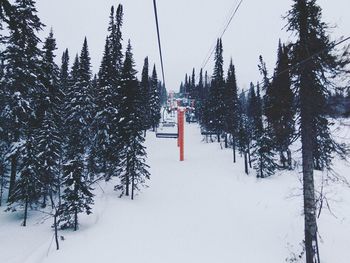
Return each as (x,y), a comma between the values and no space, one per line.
(22,69)
(314,50)
(77,196)
(48,135)
(279,107)
(27,188)
(133,169)
(154,100)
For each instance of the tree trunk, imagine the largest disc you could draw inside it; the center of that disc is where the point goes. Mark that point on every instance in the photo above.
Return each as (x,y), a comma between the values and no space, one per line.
(283,159)
(249,157)
(54,207)
(75,219)
(261,167)
(12,176)
(234,148)
(127,179)
(309,196)
(2,182)
(245,162)
(307,138)
(25,211)
(132,186)
(218,137)
(226,142)
(289,159)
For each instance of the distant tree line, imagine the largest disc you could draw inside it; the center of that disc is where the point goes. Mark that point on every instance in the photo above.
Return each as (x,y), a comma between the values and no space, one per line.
(63,128)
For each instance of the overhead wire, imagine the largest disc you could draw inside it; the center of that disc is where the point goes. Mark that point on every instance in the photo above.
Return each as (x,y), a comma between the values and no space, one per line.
(159,42)
(305,60)
(212,49)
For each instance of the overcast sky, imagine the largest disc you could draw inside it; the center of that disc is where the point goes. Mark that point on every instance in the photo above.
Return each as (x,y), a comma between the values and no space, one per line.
(188,28)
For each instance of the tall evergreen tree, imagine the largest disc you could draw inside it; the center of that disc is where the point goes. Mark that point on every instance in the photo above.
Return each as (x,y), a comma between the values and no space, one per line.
(314,47)
(133,166)
(154,100)
(27,187)
(279,107)
(22,71)
(263,145)
(77,195)
(48,134)
(216,101)
(146,94)
(106,132)
(64,72)
(231,103)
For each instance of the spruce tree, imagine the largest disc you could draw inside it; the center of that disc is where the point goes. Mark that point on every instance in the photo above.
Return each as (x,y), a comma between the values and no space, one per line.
(216,101)
(313,48)
(48,135)
(84,85)
(77,195)
(279,107)
(22,71)
(27,188)
(133,169)
(154,100)
(64,72)
(243,133)
(104,126)
(263,145)
(231,111)
(146,95)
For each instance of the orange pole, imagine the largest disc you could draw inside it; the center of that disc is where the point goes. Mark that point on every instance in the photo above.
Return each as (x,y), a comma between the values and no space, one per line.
(178,127)
(181,135)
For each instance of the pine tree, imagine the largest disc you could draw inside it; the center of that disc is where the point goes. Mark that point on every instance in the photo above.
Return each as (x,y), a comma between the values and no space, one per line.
(48,135)
(22,76)
(77,195)
(115,40)
(231,103)
(154,100)
(146,95)
(27,187)
(192,86)
(133,166)
(263,145)
(216,101)
(243,130)
(201,97)
(279,107)
(105,130)
(64,72)
(163,95)
(4,140)
(314,47)
(84,84)
(264,156)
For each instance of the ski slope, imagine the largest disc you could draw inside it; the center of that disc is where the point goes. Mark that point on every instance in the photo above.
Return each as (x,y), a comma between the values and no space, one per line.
(203,210)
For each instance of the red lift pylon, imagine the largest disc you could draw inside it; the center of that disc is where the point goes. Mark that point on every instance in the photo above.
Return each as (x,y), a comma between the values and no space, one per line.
(181,127)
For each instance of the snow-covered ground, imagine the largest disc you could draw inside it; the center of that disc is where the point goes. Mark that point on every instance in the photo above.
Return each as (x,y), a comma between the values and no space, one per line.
(203,210)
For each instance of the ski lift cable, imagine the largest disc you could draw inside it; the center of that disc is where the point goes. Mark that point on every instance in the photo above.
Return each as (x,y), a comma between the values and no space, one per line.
(222,34)
(305,60)
(159,42)
(229,15)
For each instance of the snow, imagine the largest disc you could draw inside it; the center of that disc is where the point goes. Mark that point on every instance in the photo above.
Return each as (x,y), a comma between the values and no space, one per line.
(204,209)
